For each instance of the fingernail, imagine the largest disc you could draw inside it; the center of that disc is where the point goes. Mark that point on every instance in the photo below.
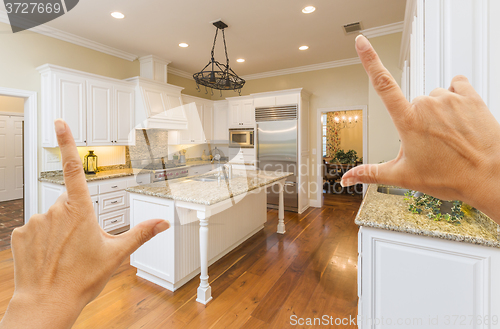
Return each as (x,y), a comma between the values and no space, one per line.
(161,226)
(347,181)
(362,42)
(60,126)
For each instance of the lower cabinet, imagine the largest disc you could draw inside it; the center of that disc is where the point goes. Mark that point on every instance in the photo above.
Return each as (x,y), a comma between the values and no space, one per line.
(411,281)
(108,196)
(242,155)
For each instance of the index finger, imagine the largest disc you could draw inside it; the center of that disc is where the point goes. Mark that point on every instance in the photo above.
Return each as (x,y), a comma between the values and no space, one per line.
(381,79)
(74,178)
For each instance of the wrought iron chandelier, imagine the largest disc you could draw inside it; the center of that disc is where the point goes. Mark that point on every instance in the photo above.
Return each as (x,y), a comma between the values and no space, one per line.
(216,75)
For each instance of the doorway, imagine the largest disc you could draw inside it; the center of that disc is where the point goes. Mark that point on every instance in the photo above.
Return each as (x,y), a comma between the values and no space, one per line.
(342,145)
(11,167)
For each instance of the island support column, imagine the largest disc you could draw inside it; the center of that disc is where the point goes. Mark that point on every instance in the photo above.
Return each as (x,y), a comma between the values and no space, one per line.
(204,290)
(281,209)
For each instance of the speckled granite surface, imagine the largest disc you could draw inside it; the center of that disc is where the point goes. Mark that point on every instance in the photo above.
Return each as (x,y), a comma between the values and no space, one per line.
(209,192)
(390,212)
(56,177)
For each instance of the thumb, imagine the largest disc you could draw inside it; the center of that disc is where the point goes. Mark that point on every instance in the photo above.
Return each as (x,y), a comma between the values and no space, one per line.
(368,174)
(131,240)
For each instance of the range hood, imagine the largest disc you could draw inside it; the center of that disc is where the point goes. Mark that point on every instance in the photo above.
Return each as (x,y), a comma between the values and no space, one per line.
(157,103)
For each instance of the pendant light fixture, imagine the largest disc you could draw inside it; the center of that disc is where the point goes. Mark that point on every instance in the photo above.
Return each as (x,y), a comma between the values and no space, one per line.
(216,75)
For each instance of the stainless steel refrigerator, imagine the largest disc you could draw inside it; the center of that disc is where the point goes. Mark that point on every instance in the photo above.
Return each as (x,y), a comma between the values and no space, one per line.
(277,150)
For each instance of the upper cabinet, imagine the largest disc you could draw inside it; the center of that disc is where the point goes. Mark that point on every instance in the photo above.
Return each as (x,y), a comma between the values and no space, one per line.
(98,110)
(221,123)
(241,112)
(199,118)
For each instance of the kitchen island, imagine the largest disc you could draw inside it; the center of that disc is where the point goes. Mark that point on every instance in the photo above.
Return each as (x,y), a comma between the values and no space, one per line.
(414,272)
(229,211)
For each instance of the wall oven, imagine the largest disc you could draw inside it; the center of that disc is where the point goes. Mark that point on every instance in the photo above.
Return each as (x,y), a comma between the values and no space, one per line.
(243,137)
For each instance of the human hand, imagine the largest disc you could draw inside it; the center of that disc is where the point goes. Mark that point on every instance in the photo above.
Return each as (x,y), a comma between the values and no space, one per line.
(63,258)
(449,141)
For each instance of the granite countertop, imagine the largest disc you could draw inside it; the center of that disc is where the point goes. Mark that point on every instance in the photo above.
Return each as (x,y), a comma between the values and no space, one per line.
(56,177)
(209,192)
(390,212)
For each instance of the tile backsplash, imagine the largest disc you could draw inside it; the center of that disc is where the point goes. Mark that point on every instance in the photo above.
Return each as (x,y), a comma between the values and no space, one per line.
(157,148)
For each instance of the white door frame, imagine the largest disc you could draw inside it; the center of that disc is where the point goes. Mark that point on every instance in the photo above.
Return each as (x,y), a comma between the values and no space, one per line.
(30,148)
(319,153)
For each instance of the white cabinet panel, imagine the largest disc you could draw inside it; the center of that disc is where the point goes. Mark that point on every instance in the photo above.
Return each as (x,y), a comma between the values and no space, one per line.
(155,99)
(221,124)
(112,201)
(248,113)
(123,121)
(95,202)
(112,186)
(403,276)
(208,121)
(290,99)
(265,101)
(234,115)
(114,220)
(176,111)
(71,105)
(100,112)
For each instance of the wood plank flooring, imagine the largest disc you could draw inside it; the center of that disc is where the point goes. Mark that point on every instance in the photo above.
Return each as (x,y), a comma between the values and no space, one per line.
(308,272)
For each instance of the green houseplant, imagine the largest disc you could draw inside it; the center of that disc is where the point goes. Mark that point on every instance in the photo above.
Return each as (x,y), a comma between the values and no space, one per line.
(435,209)
(345,157)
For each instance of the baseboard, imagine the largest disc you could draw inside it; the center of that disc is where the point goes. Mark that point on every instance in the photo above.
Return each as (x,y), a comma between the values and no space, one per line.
(314,203)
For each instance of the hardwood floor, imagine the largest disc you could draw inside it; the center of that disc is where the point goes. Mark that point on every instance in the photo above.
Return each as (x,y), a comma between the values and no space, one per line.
(11,216)
(308,272)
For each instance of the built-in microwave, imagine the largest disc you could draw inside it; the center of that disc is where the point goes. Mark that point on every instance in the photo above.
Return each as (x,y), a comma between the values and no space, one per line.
(242,137)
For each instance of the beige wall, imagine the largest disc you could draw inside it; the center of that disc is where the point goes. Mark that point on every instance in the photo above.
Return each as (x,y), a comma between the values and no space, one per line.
(383,138)
(189,86)
(11,104)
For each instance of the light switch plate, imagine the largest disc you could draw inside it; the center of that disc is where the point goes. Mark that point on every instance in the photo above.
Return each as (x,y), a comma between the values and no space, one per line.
(314,151)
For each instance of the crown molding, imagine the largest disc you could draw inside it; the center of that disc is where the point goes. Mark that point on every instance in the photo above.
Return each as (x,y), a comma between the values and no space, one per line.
(306,68)
(383,30)
(74,39)
(179,73)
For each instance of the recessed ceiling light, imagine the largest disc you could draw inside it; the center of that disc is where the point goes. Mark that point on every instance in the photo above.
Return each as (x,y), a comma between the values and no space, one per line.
(183,45)
(308,9)
(303,47)
(240,60)
(117,14)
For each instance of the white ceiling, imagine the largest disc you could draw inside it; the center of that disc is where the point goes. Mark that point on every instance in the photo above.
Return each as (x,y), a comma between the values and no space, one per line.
(266,33)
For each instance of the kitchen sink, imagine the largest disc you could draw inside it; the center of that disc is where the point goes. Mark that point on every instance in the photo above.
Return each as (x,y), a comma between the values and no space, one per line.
(392,190)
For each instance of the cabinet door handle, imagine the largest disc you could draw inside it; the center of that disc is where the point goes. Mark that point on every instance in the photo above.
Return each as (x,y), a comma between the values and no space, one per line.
(85,141)
(114,221)
(114,186)
(116,201)
(139,182)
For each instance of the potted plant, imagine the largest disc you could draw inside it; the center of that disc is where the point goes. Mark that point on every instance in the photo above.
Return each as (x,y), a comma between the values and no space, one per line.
(345,157)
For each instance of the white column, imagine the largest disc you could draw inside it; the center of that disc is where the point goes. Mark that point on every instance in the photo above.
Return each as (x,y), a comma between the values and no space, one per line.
(204,290)
(281,210)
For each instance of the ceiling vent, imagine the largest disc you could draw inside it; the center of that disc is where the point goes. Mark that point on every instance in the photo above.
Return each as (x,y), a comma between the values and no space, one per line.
(352,28)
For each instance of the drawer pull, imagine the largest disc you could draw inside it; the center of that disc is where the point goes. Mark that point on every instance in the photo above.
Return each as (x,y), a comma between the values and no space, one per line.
(116,201)
(114,186)
(114,221)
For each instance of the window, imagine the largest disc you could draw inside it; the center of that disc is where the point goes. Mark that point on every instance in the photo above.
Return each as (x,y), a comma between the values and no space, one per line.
(323,121)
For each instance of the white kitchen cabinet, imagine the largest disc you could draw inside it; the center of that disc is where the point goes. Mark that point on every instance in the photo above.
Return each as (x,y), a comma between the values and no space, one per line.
(221,123)
(99,113)
(109,198)
(241,113)
(123,116)
(208,121)
(67,100)
(99,110)
(420,279)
